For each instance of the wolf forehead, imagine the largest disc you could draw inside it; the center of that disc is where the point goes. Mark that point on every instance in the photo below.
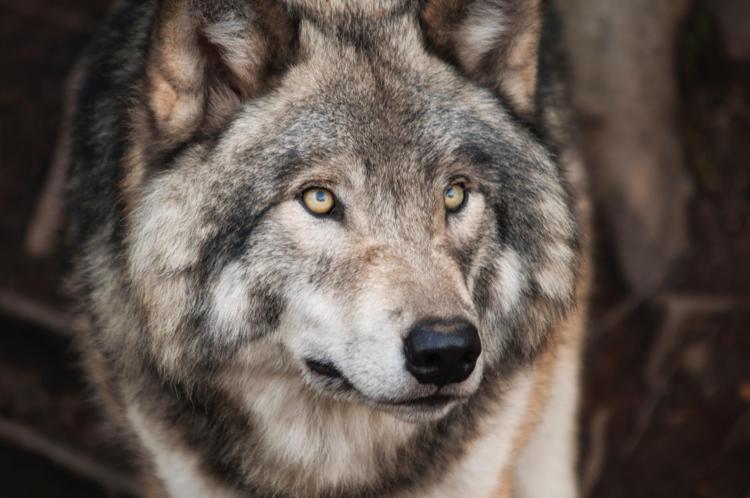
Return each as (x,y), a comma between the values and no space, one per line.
(398,131)
(388,116)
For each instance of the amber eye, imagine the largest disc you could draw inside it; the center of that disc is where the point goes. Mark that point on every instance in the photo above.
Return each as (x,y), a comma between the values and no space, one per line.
(318,200)
(454,197)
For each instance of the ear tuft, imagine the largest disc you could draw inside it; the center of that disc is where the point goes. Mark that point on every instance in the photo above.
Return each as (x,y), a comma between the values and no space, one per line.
(494,42)
(207,57)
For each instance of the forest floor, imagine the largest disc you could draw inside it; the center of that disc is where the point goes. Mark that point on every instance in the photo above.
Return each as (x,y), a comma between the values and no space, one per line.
(666,405)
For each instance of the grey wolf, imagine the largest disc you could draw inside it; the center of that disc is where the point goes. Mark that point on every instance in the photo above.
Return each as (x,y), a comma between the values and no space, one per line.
(327,248)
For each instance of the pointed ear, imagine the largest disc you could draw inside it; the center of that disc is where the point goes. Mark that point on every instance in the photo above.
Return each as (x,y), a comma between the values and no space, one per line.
(494,42)
(207,56)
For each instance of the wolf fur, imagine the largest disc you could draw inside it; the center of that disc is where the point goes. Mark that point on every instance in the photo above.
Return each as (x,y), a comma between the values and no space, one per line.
(205,289)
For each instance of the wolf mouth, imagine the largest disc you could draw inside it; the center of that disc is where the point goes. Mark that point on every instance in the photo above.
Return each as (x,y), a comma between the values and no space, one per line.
(324,369)
(432,401)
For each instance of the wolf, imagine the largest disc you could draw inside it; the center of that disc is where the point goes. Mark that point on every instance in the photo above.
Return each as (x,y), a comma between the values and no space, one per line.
(331,248)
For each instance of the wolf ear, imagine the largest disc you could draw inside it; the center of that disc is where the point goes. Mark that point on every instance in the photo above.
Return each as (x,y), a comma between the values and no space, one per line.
(493,42)
(207,56)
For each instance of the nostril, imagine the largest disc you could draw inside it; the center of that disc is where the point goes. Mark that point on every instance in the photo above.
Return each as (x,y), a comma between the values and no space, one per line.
(432,360)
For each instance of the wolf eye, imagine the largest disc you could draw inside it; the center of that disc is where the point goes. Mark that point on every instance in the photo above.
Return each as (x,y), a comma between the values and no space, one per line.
(454,197)
(318,201)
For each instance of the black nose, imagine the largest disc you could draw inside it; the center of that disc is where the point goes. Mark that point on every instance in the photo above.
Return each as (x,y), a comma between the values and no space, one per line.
(442,352)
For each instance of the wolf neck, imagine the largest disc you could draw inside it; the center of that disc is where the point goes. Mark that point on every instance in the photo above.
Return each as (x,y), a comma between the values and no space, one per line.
(357,451)
(271,436)
(341,443)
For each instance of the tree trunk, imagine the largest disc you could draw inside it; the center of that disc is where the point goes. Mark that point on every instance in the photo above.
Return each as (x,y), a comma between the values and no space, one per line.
(625,93)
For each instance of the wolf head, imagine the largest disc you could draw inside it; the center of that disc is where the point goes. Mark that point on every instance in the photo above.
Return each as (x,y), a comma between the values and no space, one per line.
(344,194)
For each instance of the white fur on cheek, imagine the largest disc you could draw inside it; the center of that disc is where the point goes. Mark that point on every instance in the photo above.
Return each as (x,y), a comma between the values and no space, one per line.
(230,301)
(313,326)
(511,279)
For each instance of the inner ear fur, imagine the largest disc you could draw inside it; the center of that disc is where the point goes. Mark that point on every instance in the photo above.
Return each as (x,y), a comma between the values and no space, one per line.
(493,42)
(207,56)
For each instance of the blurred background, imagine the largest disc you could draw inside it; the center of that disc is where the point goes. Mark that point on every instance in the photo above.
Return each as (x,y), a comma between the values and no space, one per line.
(661,90)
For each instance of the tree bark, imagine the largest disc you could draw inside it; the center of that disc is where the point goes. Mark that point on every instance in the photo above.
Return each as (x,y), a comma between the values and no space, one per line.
(622,61)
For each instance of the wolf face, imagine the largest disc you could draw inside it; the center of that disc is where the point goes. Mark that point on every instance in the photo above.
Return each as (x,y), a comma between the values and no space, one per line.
(392,297)
(292,221)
